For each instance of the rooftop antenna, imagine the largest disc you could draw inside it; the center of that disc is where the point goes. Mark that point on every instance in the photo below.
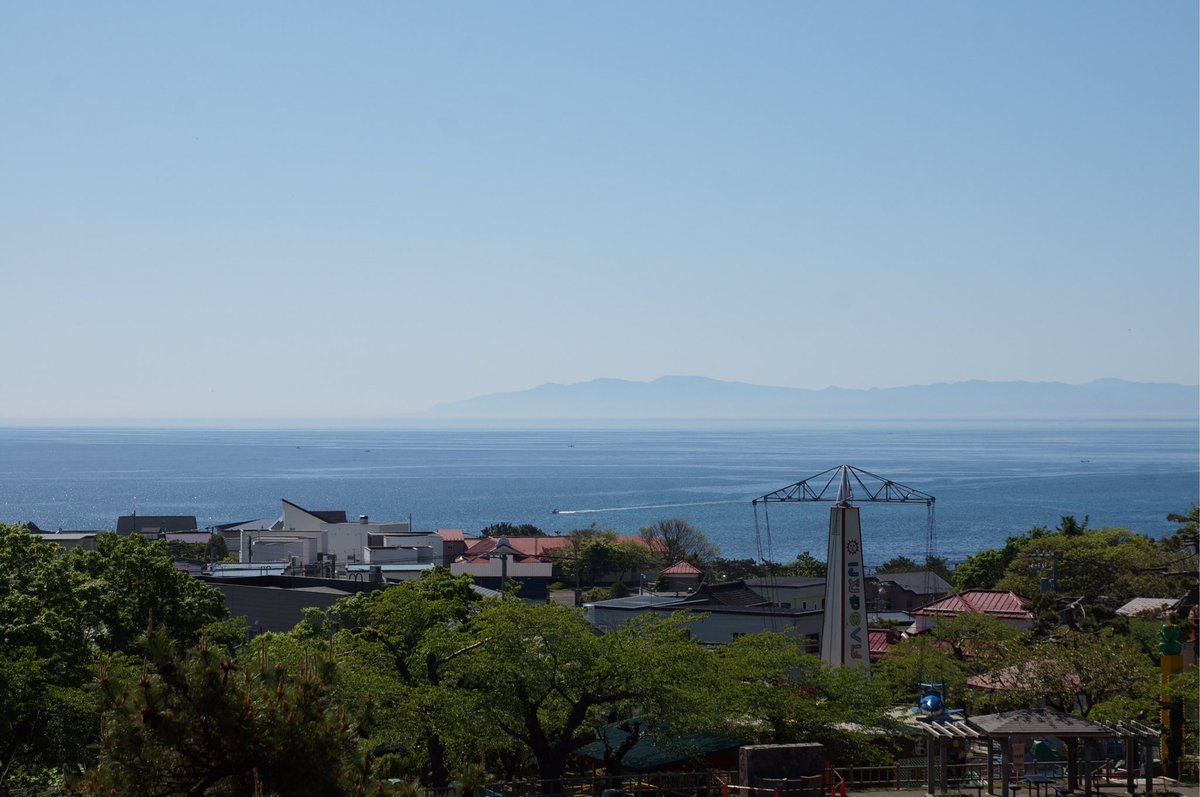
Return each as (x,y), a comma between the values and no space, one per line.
(844,640)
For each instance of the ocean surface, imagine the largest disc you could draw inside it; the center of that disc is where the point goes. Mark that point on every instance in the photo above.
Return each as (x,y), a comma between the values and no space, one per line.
(991,479)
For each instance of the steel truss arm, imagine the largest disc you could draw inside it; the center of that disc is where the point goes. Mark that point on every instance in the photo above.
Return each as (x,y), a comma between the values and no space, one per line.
(853,484)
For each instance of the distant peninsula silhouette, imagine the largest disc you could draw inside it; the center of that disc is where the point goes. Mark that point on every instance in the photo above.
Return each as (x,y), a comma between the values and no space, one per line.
(698,397)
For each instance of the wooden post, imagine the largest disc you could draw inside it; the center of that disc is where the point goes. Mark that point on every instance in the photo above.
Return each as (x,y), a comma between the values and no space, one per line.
(1087,767)
(1072,765)
(943,758)
(930,751)
(991,770)
(1131,757)
(1005,766)
(1148,765)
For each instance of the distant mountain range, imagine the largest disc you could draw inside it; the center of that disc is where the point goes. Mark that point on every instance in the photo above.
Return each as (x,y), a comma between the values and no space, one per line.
(697,397)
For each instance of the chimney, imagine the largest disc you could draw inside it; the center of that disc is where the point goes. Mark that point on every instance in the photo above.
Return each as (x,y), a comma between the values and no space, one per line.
(362,519)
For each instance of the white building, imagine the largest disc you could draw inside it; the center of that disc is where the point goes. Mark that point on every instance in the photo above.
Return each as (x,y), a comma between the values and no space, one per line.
(305,539)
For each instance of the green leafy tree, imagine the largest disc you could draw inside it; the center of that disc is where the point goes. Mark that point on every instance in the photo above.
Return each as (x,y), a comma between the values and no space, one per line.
(1104,566)
(129,584)
(550,681)
(898,564)
(200,723)
(969,635)
(396,643)
(1085,673)
(1186,538)
(917,660)
(767,687)
(511,530)
(738,569)
(984,569)
(805,565)
(46,654)
(678,540)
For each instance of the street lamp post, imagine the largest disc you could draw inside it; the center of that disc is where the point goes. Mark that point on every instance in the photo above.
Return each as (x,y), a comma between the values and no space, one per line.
(503,550)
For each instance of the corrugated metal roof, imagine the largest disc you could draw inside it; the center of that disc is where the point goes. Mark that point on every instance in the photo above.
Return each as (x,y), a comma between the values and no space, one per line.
(997,603)
(879,641)
(530,546)
(1140,605)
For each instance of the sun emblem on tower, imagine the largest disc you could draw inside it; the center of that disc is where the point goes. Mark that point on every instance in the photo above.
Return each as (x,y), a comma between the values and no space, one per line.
(852,546)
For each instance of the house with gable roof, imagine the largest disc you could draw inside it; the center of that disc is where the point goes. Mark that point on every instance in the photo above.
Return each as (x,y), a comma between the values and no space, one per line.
(1004,605)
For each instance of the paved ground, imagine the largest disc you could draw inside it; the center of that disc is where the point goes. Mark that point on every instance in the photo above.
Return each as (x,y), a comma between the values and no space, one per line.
(1112,790)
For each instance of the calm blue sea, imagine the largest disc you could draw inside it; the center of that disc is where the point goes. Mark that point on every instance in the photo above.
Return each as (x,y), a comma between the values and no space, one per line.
(990,479)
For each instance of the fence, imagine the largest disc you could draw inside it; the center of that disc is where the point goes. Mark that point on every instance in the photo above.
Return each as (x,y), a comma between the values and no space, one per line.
(658,784)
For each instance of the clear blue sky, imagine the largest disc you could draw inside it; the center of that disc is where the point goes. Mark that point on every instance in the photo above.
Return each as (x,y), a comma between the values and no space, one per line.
(358,210)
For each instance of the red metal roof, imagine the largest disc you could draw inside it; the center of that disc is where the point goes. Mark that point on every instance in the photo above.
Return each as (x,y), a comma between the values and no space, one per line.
(997,603)
(526,546)
(682,569)
(450,535)
(531,546)
(879,641)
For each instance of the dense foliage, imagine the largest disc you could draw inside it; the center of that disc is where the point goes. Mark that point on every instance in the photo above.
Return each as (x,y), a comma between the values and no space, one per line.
(120,675)
(60,611)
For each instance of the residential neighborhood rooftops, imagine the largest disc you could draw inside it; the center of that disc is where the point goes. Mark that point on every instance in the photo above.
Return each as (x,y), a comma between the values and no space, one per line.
(638,601)
(919,582)
(731,593)
(142,524)
(525,546)
(784,581)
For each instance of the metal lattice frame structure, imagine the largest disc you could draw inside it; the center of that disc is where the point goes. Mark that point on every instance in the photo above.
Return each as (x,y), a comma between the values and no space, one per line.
(852,485)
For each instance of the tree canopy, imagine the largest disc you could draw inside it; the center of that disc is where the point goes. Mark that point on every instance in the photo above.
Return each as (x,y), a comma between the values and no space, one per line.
(679,540)
(511,530)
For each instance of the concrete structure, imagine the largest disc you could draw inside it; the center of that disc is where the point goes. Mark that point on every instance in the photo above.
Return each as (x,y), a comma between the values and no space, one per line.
(844,641)
(789,592)
(887,592)
(326,542)
(154,525)
(723,612)
(85,540)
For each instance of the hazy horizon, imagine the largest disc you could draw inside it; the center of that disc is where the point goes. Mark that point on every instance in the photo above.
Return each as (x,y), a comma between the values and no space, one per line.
(429,416)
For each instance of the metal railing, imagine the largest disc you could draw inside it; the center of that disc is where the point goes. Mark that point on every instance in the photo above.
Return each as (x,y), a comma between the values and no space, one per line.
(658,784)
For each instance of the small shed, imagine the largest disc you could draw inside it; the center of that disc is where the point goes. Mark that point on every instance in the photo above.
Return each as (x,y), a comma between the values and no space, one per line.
(681,577)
